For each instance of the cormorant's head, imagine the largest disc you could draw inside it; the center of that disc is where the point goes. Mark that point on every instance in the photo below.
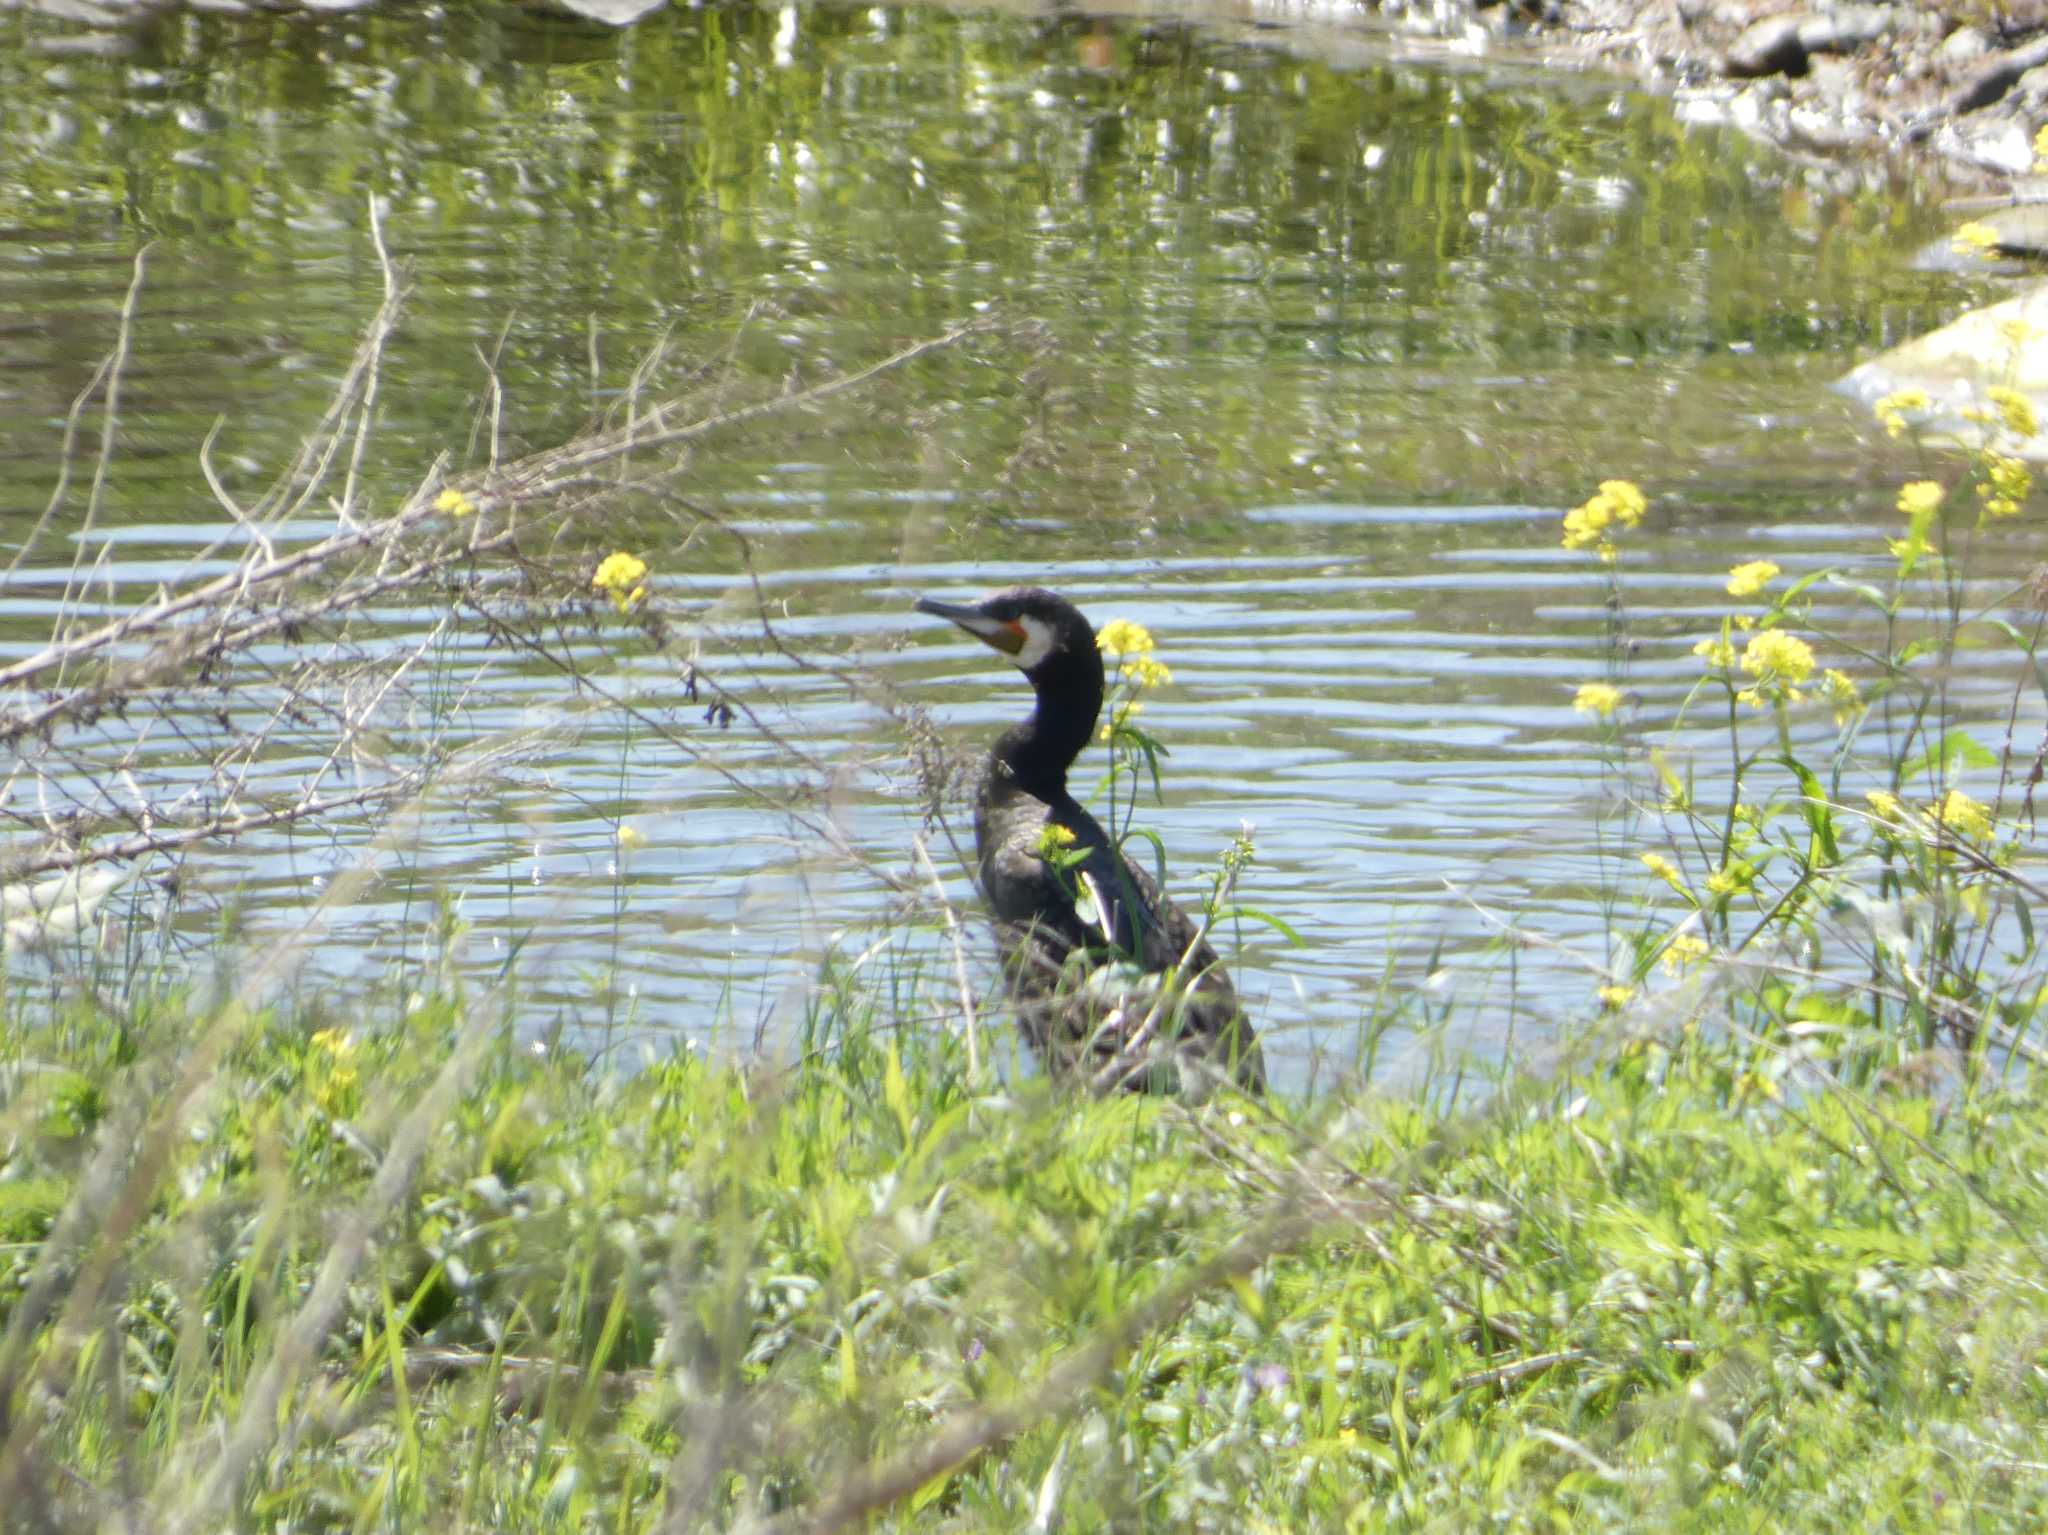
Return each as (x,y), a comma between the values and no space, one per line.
(1035,628)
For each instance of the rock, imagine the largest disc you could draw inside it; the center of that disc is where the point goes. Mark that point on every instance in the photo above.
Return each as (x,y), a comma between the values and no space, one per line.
(1956,364)
(1768,47)
(1965,45)
(2003,147)
(2032,88)
(1845,30)
(1995,76)
(613,13)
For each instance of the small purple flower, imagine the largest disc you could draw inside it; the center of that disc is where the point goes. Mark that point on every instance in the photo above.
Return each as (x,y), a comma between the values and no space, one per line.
(1268,1377)
(972,1350)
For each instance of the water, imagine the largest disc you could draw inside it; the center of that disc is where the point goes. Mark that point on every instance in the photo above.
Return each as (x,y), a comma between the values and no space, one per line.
(1321,352)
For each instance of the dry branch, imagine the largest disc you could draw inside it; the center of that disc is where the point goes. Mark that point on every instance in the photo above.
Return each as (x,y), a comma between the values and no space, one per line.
(232,668)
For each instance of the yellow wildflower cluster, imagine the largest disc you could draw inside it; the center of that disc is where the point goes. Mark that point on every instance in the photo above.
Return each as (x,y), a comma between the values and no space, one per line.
(1779,662)
(1754,1085)
(1716,653)
(1053,842)
(1614,998)
(1975,238)
(623,578)
(2015,410)
(1134,643)
(632,838)
(1683,952)
(1962,816)
(336,1080)
(1618,504)
(1665,870)
(1146,671)
(1751,577)
(2006,483)
(1124,637)
(1954,814)
(455,504)
(1601,698)
(1841,692)
(1920,498)
(1892,408)
(1737,875)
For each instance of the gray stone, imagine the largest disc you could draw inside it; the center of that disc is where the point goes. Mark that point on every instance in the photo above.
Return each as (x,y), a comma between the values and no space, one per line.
(1965,45)
(1768,47)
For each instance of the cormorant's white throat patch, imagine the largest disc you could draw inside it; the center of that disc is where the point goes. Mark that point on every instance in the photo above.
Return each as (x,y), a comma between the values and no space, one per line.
(1039,641)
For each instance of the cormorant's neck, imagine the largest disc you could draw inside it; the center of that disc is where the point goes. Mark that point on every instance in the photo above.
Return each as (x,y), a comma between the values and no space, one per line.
(1037,753)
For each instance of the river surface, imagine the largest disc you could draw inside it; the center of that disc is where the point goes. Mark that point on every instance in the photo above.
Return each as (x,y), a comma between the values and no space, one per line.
(1326,340)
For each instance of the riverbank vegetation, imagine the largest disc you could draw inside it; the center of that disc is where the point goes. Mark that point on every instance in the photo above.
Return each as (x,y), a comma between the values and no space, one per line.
(1758,1244)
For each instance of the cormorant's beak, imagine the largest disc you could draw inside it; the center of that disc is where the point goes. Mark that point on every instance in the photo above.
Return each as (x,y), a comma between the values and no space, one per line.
(1006,635)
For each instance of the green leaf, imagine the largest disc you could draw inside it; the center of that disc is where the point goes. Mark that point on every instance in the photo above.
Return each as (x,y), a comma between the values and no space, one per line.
(1802,584)
(1957,749)
(1863,589)
(1146,834)
(1820,821)
(896,1092)
(2027,647)
(1264,918)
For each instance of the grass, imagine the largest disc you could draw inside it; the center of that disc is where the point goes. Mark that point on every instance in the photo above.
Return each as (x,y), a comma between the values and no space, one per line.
(1758,1250)
(1640,1294)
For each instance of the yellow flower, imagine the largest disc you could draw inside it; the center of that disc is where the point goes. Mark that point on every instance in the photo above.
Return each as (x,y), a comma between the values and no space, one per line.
(1891,410)
(334,1080)
(1618,501)
(1628,502)
(1746,580)
(455,504)
(1715,652)
(1599,698)
(2041,147)
(1841,692)
(1753,1084)
(2019,333)
(336,1090)
(2015,409)
(1121,717)
(1146,671)
(1614,998)
(1886,806)
(1901,548)
(620,577)
(1919,498)
(1124,637)
(1731,879)
(1683,952)
(2006,483)
(1963,816)
(1776,654)
(1665,870)
(632,838)
(1054,839)
(1584,525)
(1975,238)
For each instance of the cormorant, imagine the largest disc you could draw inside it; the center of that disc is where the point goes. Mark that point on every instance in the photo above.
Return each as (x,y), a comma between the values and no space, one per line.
(1112,981)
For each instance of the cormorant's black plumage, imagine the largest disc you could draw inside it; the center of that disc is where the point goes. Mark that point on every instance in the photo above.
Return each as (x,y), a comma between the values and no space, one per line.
(1088,990)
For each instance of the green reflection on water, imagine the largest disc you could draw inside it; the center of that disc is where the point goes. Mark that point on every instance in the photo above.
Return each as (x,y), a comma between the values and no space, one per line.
(1262,278)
